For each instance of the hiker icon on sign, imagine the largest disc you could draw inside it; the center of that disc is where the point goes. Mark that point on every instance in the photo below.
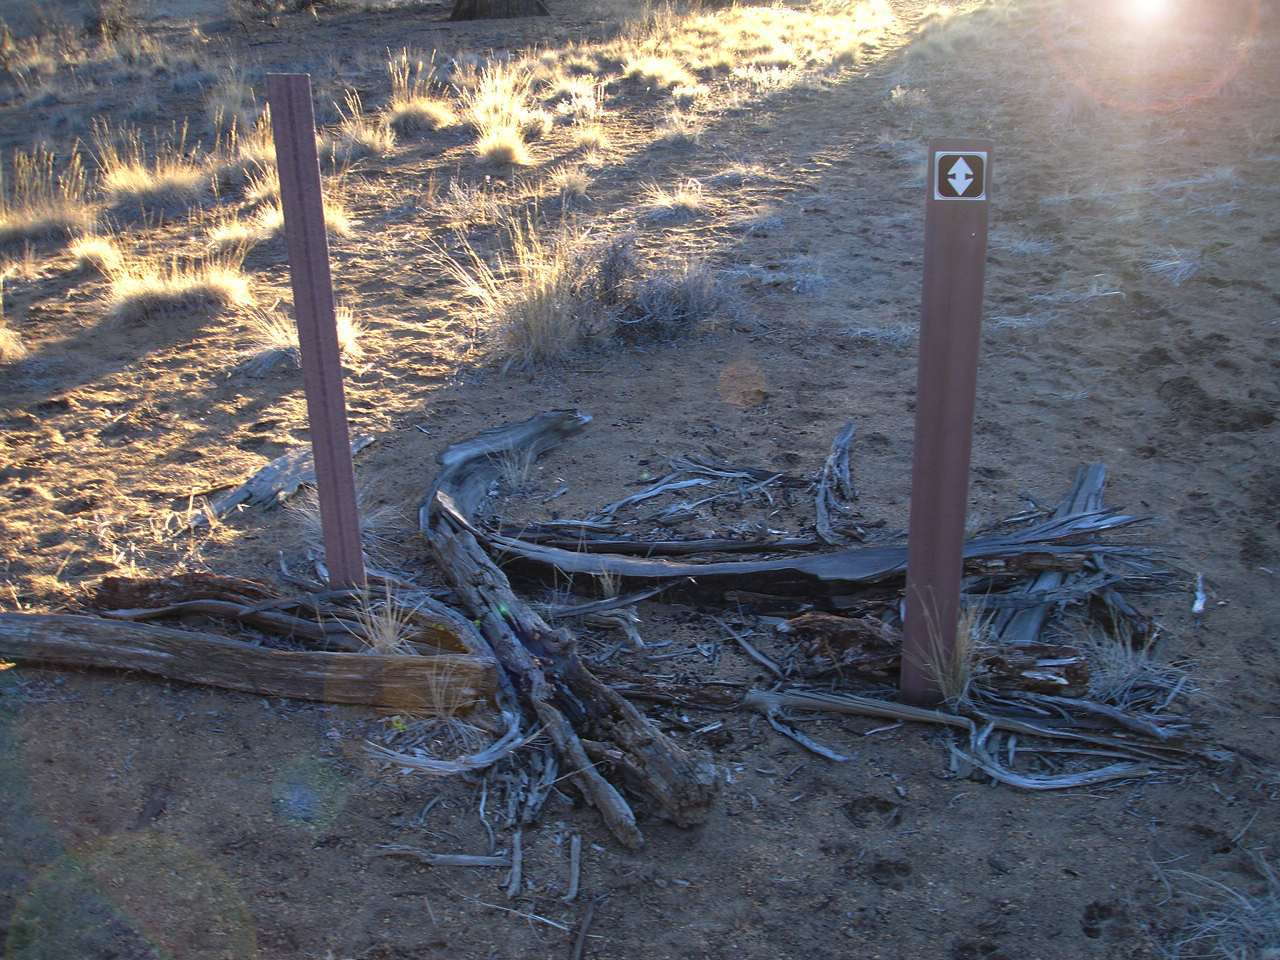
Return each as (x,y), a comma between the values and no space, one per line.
(960,176)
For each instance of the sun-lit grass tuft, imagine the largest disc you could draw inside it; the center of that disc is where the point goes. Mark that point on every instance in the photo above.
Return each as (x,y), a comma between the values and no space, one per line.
(530,294)
(497,106)
(246,151)
(680,129)
(550,297)
(503,146)
(275,339)
(591,139)
(97,253)
(150,290)
(167,177)
(41,200)
(683,202)
(570,181)
(414,107)
(229,103)
(656,72)
(263,191)
(358,134)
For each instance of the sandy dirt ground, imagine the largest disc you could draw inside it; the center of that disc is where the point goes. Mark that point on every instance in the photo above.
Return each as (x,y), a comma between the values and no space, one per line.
(1132,317)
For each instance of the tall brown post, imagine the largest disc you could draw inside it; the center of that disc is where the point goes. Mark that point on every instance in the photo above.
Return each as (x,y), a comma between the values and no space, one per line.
(955,255)
(293,124)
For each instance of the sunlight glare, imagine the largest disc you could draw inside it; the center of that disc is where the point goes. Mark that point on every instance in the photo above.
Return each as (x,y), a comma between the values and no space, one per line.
(1148,9)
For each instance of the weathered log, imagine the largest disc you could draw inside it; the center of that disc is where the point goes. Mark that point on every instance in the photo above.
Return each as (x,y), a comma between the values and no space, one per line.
(442,685)
(593,728)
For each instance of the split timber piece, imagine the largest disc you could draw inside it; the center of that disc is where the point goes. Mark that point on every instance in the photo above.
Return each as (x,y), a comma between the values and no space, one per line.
(1023,626)
(470,468)
(436,685)
(594,728)
(1053,545)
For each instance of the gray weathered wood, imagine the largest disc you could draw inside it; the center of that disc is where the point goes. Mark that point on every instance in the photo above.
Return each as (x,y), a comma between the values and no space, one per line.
(399,684)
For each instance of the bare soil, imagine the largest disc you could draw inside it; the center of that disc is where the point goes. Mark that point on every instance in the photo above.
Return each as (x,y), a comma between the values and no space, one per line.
(1132,317)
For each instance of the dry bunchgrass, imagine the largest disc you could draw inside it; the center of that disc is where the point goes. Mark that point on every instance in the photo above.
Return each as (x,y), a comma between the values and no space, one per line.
(531,294)
(248,150)
(680,129)
(379,524)
(1132,677)
(1230,923)
(97,253)
(682,202)
(150,289)
(275,339)
(230,103)
(497,105)
(570,181)
(40,201)
(591,140)
(170,177)
(414,107)
(951,666)
(358,134)
(262,191)
(550,297)
(656,72)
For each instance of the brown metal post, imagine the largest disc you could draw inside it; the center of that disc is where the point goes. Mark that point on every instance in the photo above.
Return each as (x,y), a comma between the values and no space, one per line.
(293,123)
(955,254)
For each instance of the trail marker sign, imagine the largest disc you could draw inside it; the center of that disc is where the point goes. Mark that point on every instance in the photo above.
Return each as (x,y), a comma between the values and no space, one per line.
(960,176)
(955,257)
(301,199)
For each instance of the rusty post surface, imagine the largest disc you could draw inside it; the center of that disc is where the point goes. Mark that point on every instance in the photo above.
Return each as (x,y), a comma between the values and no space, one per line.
(955,254)
(293,123)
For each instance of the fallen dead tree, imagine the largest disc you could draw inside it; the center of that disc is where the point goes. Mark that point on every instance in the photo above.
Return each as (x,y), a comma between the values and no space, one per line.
(593,728)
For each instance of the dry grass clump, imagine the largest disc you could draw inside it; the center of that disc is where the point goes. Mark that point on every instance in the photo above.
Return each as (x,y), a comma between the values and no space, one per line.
(414,107)
(667,304)
(379,525)
(1131,677)
(263,192)
(570,181)
(40,201)
(683,202)
(662,73)
(275,339)
(549,298)
(531,295)
(230,103)
(150,289)
(497,104)
(140,179)
(1231,924)
(264,225)
(249,149)
(591,139)
(952,668)
(98,253)
(358,134)
(680,129)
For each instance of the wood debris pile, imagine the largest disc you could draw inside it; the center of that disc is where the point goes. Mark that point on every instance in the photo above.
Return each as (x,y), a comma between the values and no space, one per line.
(821,616)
